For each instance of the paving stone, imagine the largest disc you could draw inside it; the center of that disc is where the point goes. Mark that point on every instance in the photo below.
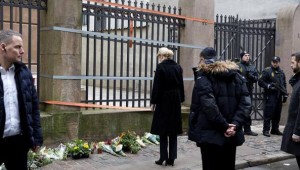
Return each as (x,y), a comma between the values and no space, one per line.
(256,150)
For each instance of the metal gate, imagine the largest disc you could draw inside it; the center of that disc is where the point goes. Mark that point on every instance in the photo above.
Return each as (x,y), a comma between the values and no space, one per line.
(232,36)
(24,16)
(119,49)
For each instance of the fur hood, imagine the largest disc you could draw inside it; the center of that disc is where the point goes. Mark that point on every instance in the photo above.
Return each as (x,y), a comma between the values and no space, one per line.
(219,68)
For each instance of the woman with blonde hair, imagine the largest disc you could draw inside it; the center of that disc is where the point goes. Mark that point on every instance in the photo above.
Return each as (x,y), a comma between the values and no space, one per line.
(167,95)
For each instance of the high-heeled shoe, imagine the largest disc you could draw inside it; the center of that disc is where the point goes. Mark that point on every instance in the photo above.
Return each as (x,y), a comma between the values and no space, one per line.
(160,162)
(170,162)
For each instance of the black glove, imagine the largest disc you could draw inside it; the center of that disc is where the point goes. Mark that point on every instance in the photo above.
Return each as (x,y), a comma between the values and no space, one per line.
(250,76)
(271,87)
(284,98)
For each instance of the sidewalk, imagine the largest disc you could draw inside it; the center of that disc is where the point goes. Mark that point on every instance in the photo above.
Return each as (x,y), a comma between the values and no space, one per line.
(255,151)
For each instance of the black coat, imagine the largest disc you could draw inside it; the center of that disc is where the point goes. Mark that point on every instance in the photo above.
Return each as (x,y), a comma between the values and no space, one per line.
(271,75)
(250,73)
(167,95)
(220,96)
(293,122)
(28,106)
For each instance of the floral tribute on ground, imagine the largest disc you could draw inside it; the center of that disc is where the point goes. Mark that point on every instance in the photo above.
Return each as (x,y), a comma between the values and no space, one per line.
(127,143)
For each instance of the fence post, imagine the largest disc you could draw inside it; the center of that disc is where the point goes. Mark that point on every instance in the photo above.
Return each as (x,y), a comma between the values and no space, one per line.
(60,53)
(195,33)
(287,42)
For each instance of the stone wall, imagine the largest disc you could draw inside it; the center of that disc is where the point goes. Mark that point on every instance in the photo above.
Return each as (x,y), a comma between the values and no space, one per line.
(96,125)
(287,42)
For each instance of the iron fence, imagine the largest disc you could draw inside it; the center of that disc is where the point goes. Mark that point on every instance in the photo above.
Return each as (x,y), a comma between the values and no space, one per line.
(257,37)
(24,16)
(121,69)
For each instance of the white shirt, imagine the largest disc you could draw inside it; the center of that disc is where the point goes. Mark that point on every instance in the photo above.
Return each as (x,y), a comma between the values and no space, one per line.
(11,105)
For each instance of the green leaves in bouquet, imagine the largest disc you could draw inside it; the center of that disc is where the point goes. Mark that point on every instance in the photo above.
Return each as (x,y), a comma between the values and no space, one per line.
(79,149)
(128,140)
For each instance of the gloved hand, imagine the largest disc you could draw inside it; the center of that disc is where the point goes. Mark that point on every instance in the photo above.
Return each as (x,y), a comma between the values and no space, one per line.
(284,98)
(271,87)
(250,76)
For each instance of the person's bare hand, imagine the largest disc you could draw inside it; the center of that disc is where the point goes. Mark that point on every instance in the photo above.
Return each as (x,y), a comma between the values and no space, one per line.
(153,107)
(35,149)
(230,131)
(296,138)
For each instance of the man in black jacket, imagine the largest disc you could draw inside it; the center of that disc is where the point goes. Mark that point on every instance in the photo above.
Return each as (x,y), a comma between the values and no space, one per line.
(291,134)
(20,127)
(220,106)
(270,79)
(251,74)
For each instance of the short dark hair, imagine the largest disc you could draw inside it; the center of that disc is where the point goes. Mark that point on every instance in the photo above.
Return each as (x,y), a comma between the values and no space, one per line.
(6,35)
(297,56)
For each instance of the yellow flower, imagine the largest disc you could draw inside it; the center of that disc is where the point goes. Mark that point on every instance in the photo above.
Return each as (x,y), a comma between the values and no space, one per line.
(85,145)
(76,148)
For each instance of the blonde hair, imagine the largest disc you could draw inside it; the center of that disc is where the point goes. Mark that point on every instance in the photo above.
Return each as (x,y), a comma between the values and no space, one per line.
(164,51)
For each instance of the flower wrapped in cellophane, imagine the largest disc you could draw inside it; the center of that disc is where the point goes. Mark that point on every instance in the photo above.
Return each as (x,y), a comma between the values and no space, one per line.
(152,138)
(107,148)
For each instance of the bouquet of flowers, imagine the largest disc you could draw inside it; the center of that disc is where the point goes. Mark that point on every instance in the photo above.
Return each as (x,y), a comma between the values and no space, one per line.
(107,148)
(79,149)
(128,140)
(37,160)
(152,138)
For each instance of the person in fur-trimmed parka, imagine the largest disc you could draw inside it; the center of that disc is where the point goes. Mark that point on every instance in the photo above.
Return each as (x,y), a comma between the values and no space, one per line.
(220,105)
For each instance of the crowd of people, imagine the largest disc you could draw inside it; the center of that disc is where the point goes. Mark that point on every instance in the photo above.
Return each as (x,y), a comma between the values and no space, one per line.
(220,111)
(221,106)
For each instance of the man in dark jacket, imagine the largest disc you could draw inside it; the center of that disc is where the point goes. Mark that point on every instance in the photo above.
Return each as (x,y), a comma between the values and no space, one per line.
(20,127)
(220,106)
(291,134)
(272,80)
(250,73)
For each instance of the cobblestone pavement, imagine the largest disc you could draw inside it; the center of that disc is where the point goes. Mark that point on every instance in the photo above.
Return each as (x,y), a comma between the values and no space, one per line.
(255,151)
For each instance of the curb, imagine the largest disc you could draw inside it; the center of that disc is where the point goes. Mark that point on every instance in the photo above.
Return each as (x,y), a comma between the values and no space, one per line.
(265,160)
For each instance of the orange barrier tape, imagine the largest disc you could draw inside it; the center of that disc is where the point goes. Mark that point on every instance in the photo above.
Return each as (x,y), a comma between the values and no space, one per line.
(154,12)
(94,106)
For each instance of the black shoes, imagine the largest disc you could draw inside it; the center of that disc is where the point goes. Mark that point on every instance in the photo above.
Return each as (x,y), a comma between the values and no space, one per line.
(160,162)
(250,133)
(266,133)
(170,162)
(276,133)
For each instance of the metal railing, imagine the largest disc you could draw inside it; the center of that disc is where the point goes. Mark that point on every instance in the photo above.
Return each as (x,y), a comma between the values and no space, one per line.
(121,61)
(24,16)
(257,37)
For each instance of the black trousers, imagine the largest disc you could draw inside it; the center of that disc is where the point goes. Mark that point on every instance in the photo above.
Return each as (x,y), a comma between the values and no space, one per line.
(13,152)
(298,161)
(248,120)
(215,157)
(272,112)
(164,155)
